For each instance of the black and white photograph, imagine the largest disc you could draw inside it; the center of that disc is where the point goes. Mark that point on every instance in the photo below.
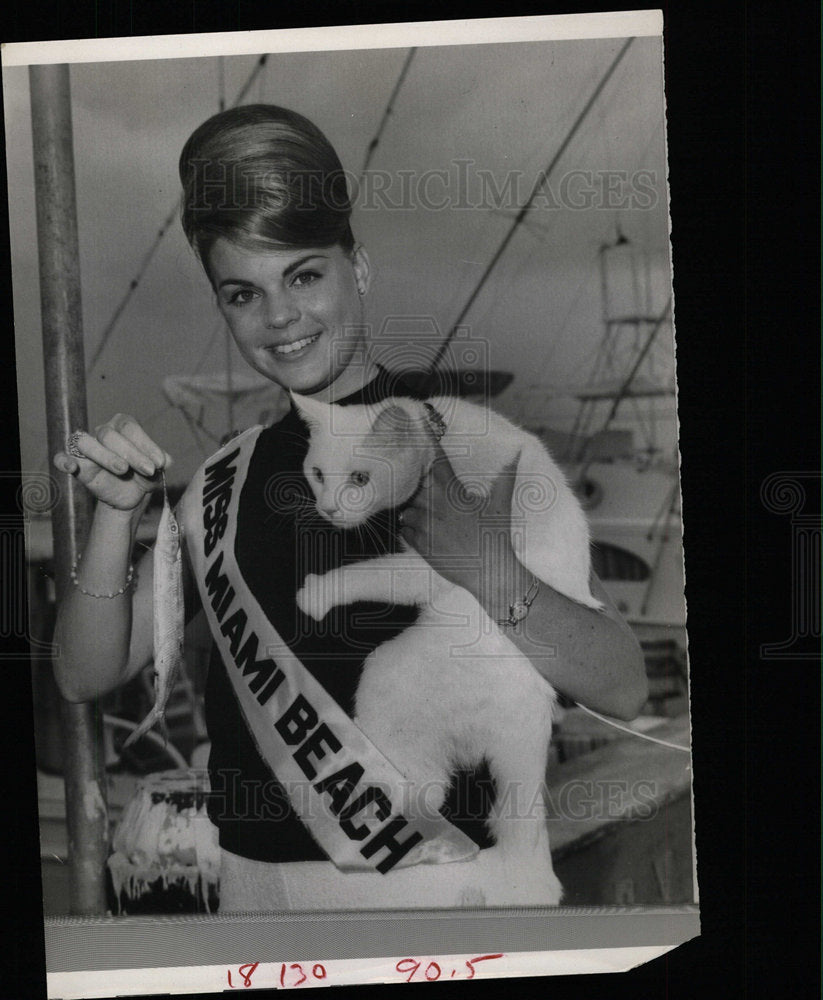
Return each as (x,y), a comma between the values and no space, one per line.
(352,503)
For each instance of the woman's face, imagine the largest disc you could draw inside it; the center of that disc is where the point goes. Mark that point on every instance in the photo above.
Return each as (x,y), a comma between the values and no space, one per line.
(296,315)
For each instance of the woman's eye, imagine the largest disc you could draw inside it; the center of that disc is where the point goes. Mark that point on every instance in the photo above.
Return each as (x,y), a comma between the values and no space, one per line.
(360,478)
(242,297)
(318,475)
(305,278)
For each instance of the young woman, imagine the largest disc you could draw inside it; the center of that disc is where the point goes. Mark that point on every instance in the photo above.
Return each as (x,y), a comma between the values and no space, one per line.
(267,210)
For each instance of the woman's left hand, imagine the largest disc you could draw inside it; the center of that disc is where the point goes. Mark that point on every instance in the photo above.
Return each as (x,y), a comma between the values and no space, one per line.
(590,656)
(465,536)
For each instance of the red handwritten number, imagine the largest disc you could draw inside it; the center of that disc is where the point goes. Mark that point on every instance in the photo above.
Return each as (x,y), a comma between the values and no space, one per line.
(318,971)
(436,976)
(246,975)
(480,958)
(408,965)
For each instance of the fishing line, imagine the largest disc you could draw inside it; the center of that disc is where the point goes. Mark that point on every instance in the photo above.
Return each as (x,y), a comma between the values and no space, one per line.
(633,732)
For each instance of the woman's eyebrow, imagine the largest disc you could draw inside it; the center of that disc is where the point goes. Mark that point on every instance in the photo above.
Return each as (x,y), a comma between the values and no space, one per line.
(286,271)
(299,263)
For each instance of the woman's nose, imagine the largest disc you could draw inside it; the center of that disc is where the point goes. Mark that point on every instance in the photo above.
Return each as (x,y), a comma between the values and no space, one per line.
(282,312)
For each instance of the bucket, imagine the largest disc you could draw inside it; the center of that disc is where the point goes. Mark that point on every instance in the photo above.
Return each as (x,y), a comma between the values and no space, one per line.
(166,857)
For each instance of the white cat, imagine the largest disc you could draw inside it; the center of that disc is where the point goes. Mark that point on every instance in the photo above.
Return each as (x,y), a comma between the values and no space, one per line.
(452,689)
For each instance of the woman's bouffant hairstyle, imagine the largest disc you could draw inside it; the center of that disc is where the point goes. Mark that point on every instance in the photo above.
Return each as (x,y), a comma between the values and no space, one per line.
(263,177)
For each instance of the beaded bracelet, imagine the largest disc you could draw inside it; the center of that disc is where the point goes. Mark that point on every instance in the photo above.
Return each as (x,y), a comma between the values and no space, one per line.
(436,421)
(88,593)
(519,610)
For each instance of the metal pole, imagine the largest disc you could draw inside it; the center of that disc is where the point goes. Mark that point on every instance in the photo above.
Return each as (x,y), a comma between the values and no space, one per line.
(86,813)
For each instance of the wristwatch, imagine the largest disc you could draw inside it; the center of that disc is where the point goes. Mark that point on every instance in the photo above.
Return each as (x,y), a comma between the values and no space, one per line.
(520,609)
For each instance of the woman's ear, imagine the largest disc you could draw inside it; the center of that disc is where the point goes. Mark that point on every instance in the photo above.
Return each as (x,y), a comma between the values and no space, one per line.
(362,268)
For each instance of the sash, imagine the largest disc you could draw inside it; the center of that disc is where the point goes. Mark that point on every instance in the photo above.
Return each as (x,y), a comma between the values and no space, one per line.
(364,814)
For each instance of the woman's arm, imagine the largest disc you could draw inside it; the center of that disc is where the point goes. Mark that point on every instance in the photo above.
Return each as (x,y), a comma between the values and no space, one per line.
(102,642)
(591,656)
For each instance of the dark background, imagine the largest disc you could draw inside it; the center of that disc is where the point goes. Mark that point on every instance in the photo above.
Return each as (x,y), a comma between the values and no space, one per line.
(742,87)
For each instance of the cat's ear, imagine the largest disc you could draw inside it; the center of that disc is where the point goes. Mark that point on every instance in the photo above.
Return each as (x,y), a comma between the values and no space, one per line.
(311,410)
(392,426)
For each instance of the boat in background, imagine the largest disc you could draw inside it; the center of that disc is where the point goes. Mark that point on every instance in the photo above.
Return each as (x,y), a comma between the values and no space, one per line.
(626,470)
(619,449)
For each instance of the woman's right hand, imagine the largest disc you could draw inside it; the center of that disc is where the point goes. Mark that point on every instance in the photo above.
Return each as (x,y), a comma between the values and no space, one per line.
(119,462)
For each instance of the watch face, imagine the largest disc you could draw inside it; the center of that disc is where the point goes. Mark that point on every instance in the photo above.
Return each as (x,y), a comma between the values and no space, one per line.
(519,611)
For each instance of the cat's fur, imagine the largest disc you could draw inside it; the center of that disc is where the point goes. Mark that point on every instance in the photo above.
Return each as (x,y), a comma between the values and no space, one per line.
(452,690)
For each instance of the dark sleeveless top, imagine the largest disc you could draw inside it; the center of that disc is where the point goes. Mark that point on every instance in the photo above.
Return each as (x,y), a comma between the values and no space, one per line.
(280,540)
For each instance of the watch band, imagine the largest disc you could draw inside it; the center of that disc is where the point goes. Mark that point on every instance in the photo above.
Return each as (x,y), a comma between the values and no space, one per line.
(520,609)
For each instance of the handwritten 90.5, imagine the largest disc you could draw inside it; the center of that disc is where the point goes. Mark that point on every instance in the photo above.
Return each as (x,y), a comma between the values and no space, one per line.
(290,975)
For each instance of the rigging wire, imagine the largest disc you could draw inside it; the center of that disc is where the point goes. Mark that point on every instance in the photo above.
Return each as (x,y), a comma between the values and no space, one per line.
(258,68)
(389,109)
(541,180)
(219,327)
(195,423)
(537,227)
(556,340)
(133,284)
(516,270)
(164,228)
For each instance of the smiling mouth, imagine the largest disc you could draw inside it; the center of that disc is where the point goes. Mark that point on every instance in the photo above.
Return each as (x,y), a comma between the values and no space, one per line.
(284,350)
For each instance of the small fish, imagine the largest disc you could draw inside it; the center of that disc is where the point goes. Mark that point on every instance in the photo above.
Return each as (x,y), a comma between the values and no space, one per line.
(169,618)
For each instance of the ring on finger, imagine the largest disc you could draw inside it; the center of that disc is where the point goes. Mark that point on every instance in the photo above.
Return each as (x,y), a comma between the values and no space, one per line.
(71,444)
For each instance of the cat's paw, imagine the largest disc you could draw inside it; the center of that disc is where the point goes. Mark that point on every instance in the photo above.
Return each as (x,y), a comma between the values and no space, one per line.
(313,597)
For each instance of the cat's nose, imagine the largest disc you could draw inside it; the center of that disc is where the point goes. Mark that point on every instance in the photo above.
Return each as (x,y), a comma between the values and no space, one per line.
(328,509)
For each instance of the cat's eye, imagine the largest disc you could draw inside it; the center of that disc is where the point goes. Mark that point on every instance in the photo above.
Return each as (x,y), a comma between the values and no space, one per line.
(318,475)
(359,478)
